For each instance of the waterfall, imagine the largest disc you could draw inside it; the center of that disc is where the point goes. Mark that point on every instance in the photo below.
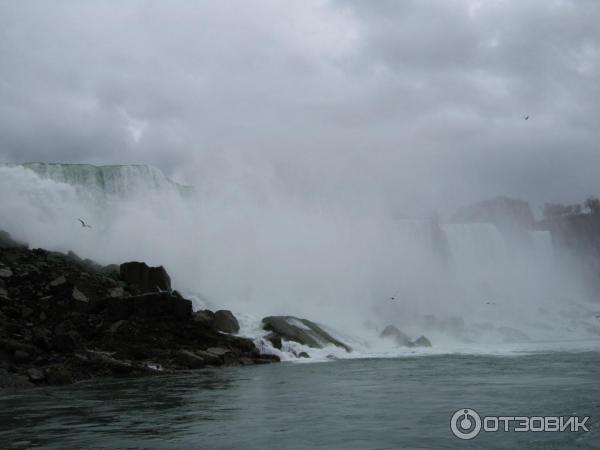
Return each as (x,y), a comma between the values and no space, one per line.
(280,257)
(109,181)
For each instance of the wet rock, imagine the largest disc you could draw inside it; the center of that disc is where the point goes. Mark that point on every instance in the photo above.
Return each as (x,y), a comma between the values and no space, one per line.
(392,332)
(36,375)
(218,351)
(42,337)
(303,355)
(20,356)
(145,279)
(156,304)
(302,331)
(422,342)
(226,322)
(275,340)
(66,341)
(11,380)
(58,374)
(112,271)
(210,358)
(189,359)
(115,326)
(26,312)
(58,281)
(5,272)
(117,366)
(79,296)
(204,317)
(116,292)
(74,257)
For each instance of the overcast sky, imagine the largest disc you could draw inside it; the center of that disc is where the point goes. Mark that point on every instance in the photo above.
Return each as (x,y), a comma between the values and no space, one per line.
(413,104)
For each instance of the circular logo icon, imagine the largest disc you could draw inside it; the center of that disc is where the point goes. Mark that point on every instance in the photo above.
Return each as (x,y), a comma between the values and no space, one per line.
(465,423)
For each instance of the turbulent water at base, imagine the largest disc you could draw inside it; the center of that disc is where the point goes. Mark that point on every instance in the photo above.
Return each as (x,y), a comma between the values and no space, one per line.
(353,404)
(469,288)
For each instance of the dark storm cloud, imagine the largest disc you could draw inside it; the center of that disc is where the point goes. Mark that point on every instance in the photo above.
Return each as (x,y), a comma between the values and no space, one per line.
(406,103)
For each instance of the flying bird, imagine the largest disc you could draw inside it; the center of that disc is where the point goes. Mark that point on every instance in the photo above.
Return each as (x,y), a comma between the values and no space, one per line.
(526,117)
(84,225)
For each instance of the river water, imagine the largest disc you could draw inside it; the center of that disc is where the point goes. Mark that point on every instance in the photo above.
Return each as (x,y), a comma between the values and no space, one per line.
(346,404)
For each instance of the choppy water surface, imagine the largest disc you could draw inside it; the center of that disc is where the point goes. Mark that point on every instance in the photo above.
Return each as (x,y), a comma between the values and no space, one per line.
(349,404)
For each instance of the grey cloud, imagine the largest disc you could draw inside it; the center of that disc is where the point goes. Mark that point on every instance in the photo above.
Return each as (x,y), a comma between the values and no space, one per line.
(412,104)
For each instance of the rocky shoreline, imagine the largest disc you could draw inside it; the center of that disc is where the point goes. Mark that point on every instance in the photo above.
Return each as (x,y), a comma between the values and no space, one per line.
(64,319)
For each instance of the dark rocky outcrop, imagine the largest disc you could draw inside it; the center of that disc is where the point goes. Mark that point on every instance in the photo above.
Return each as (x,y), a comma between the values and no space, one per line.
(392,332)
(222,320)
(226,322)
(64,320)
(401,339)
(302,331)
(145,279)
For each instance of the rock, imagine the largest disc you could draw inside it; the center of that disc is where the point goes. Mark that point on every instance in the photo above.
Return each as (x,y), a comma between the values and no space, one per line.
(392,332)
(36,375)
(156,304)
(422,342)
(204,317)
(274,339)
(303,355)
(3,292)
(26,312)
(66,341)
(58,281)
(225,321)
(90,265)
(116,366)
(302,331)
(115,326)
(5,273)
(146,279)
(74,257)
(6,241)
(20,356)
(210,358)
(11,380)
(111,271)
(116,292)
(58,374)
(189,359)
(218,351)
(79,296)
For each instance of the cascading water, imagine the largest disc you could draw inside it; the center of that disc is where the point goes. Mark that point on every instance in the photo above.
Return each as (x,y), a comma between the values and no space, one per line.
(465,283)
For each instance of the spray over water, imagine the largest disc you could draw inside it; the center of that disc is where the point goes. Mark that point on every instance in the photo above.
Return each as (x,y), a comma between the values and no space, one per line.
(468,286)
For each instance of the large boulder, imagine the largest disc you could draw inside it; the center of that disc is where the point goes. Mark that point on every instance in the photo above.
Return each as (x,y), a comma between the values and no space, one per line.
(225,321)
(401,339)
(392,332)
(144,278)
(302,331)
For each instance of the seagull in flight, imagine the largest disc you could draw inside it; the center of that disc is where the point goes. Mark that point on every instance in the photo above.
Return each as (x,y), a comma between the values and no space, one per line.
(84,225)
